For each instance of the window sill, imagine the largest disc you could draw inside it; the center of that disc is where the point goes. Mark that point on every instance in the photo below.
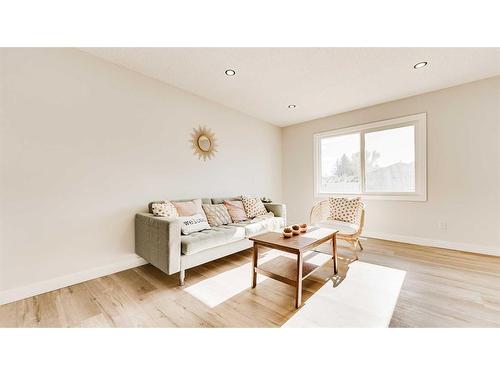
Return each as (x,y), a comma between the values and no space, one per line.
(410,197)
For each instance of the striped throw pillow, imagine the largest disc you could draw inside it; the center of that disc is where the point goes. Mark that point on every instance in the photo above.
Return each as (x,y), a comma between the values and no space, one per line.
(217,214)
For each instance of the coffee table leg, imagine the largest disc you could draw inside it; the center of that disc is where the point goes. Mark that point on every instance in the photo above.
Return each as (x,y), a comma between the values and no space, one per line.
(254,264)
(298,291)
(334,252)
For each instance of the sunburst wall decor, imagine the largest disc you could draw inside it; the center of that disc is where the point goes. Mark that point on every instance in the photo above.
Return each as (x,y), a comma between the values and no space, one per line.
(203,143)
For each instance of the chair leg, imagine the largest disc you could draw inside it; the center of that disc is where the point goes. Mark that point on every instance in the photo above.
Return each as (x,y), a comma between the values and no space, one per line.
(355,253)
(182,275)
(360,246)
(354,249)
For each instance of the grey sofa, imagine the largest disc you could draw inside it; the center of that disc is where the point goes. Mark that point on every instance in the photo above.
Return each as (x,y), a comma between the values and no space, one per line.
(160,242)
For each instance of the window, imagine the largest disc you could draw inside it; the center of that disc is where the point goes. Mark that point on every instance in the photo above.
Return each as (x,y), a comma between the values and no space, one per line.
(340,164)
(390,160)
(380,160)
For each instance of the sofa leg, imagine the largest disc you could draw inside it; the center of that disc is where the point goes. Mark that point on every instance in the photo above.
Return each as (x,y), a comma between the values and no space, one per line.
(182,275)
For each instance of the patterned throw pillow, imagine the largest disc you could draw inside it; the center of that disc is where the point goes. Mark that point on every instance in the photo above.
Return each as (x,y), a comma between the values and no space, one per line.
(345,209)
(253,206)
(236,211)
(165,209)
(217,214)
(195,223)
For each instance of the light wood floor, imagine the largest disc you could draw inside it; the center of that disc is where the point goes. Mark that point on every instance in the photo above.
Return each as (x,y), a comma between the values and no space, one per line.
(442,288)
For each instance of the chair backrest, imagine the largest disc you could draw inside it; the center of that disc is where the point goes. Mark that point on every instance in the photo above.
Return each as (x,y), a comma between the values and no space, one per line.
(319,212)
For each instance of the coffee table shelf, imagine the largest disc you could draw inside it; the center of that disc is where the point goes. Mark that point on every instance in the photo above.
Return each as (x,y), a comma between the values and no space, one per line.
(285,269)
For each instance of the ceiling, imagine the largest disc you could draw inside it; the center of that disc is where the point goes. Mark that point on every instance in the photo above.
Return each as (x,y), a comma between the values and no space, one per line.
(319,81)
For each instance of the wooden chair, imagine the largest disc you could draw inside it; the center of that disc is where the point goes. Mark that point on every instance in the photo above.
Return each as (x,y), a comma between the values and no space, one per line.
(349,232)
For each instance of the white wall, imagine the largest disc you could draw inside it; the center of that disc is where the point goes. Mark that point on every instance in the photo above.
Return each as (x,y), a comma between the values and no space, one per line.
(85,144)
(463,131)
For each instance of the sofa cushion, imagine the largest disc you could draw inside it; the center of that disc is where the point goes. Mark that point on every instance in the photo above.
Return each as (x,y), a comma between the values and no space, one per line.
(253,227)
(206,239)
(341,226)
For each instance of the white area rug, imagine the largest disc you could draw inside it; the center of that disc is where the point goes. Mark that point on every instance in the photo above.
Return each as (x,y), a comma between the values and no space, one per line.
(365,298)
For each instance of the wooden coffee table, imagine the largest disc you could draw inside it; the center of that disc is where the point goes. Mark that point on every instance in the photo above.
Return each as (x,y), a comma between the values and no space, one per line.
(292,273)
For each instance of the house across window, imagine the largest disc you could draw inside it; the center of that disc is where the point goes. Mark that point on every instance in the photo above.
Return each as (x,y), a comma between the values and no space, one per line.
(380,160)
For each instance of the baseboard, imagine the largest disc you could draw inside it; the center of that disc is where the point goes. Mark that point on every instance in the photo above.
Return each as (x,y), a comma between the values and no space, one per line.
(16,294)
(468,247)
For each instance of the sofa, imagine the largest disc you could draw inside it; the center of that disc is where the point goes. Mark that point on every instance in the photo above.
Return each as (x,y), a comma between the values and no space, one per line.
(159,240)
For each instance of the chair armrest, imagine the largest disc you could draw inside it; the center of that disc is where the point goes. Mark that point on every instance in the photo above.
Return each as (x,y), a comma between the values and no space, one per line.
(158,240)
(277,209)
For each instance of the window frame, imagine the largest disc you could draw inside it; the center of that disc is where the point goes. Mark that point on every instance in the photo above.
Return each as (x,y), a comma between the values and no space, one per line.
(419,121)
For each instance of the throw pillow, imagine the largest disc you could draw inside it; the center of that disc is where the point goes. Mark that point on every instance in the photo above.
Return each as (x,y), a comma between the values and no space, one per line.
(345,209)
(236,211)
(253,206)
(189,208)
(165,209)
(194,223)
(217,214)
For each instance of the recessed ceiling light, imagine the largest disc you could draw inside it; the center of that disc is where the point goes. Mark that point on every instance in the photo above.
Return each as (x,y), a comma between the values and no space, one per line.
(230,72)
(291,106)
(419,65)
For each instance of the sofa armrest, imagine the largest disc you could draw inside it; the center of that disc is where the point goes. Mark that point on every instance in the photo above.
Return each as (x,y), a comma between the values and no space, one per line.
(278,209)
(158,240)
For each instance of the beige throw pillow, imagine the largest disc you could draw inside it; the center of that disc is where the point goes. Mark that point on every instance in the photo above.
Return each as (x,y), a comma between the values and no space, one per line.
(345,209)
(236,211)
(217,214)
(253,206)
(189,208)
(164,209)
